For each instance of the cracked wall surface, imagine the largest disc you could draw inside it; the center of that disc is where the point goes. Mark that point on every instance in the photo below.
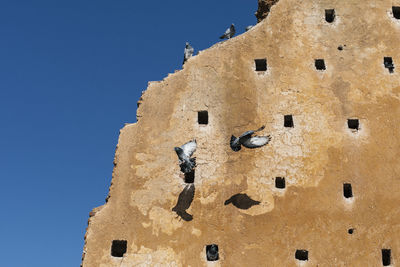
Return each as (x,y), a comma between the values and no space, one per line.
(316,156)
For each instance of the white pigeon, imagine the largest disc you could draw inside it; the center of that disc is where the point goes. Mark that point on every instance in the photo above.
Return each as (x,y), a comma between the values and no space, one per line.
(188,52)
(184,153)
(249,141)
(249,27)
(229,33)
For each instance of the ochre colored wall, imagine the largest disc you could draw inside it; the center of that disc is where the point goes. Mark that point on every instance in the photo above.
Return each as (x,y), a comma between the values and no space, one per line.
(316,157)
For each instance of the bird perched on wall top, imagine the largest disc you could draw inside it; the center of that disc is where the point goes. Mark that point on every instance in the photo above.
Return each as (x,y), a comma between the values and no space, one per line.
(249,141)
(229,33)
(184,153)
(188,52)
(249,27)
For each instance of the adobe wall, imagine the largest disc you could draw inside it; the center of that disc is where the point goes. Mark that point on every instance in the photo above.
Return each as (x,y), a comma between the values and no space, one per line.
(316,156)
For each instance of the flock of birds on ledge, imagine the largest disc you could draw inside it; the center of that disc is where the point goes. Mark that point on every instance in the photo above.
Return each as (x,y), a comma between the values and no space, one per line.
(187,164)
(229,33)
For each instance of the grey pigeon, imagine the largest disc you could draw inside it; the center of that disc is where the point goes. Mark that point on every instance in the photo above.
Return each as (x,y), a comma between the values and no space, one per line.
(241,201)
(229,33)
(249,27)
(184,153)
(249,141)
(185,199)
(188,52)
(212,252)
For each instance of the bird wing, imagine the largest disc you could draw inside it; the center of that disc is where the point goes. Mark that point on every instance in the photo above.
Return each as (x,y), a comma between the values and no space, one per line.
(256,141)
(246,134)
(228,31)
(189,148)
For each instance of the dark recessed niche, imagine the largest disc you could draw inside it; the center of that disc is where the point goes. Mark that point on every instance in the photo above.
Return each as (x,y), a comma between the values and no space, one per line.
(118,248)
(353,124)
(350,231)
(202,117)
(301,255)
(386,257)
(261,64)
(320,64)
(288,121)
(396,12)
(388,63)
(347,190)
(340,48)
(189,177)
(212,252)
(329,15)
(280,182)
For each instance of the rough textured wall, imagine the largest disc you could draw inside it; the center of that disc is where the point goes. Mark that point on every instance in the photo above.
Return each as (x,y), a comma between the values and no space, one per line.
(264,7)
(316,157)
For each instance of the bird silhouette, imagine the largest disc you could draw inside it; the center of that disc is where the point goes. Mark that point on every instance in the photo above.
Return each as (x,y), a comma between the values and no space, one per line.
(241,201)
(185,199)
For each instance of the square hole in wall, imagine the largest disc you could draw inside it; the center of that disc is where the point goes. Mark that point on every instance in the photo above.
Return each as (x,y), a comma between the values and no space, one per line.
(280,182)
(288,121)
(301,255)
(396,12)
(353,124)
(347,190)
(386,257)
(320,64)
(329,15)
(189,177)
(261,64)
(388,63)
(202,117)
(212,252)
(118,248)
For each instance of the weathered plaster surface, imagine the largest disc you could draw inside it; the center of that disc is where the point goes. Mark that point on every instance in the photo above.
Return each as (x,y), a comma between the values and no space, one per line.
(316,156)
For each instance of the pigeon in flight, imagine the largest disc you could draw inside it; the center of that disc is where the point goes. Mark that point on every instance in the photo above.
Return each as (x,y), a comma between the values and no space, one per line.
(188,52)
(229,33)
(249,141)
(184,153)
(212,252)
(242,201)
(185,199)
(249,27)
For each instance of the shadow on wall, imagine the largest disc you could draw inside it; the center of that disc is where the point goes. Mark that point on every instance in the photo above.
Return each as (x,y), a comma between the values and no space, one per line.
(242,201)
(185,199)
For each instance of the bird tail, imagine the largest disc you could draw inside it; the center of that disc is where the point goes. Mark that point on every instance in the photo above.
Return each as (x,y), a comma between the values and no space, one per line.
(222,36)
(260,129)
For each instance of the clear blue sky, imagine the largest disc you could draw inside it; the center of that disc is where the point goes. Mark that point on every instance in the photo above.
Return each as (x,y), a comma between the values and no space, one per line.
(71,73)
